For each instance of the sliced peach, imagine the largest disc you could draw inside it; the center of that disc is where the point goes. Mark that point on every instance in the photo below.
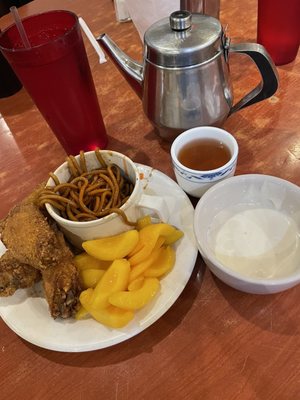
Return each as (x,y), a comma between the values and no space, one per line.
(143,221)
(148,238)
(113,317)
(140,268)
(173,237)
(136,283)
(136,299)
(162,264)
(114,279)
(85,261)
(81,313)
(112,247)
(90,277)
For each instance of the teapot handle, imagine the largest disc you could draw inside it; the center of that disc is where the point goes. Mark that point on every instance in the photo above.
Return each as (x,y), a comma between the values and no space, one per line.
(269,84)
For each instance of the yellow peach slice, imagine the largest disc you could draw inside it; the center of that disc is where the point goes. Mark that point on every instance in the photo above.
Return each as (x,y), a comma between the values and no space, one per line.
(136,283)
(112,247)
(113,317)
(110,316)
(173,237)
(85,261)
(81,313)
(137,248)
(114,279)
(140,268)
(162,264)
(90,277)
(136,299)
(148,238)
(85,298)
(143,221)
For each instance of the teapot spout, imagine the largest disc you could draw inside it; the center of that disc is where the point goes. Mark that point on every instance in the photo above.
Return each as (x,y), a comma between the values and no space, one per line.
(130,69)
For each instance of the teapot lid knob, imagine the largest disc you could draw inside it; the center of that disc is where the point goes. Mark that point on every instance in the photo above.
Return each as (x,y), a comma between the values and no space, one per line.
(180,20)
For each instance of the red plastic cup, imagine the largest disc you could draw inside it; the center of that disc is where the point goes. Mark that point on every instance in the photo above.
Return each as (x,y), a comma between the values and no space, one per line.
(278,28)
(56,73)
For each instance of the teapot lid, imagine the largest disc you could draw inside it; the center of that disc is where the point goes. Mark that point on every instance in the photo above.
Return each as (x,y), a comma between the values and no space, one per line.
(183,39)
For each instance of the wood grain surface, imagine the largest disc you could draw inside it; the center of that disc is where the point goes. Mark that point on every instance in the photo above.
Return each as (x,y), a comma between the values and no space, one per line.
(215,342)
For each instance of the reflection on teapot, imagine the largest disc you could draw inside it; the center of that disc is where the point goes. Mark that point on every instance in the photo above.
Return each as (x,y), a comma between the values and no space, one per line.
(184,78)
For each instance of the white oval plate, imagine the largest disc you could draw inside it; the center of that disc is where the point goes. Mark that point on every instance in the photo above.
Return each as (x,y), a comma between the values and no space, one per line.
(26,312)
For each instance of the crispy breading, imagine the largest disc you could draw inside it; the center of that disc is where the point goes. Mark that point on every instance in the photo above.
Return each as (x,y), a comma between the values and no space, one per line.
(62,288)
(14,275)
(30,238)
(35,245)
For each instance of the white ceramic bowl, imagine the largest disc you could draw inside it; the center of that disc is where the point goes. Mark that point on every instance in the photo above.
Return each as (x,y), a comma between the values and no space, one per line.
(247,229)
(195,182)
(77,232)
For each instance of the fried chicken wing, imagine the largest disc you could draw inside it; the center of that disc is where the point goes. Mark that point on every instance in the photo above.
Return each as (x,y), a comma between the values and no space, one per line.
(31,239)
(15,275)
(35,246)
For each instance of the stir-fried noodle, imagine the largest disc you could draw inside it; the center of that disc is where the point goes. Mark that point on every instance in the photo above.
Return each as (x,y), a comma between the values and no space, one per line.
(89,195)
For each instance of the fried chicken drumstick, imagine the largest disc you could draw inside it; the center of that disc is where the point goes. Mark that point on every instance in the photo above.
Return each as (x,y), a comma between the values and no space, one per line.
(35,243)
(62,288)
(15,275)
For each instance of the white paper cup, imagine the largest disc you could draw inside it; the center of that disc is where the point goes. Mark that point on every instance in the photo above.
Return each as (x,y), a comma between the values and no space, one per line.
(196,182)
(137,205)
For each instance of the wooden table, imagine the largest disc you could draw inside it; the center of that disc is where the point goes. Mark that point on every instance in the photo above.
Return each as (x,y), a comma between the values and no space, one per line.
(214,342)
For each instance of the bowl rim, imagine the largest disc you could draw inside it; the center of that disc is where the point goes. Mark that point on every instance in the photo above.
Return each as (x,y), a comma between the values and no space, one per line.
(207,253)
(50,209)
(232,160)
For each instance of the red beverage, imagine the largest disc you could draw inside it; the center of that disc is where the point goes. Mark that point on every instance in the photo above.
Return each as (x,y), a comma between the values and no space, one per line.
(56,73)
(278,28)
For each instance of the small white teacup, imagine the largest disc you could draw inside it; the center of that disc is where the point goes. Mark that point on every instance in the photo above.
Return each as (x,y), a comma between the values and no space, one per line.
(196,181)
(137,205)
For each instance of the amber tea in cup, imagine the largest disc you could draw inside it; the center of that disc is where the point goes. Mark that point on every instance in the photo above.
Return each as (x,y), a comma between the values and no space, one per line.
(204,154)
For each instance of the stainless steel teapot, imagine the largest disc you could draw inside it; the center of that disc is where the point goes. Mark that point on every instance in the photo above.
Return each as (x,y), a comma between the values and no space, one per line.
(184,79)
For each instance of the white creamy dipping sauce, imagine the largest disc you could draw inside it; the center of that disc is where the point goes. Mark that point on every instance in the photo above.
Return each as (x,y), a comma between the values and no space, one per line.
(257,242)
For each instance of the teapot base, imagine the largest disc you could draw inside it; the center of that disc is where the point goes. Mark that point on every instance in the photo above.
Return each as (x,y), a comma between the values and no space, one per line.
(170,134)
